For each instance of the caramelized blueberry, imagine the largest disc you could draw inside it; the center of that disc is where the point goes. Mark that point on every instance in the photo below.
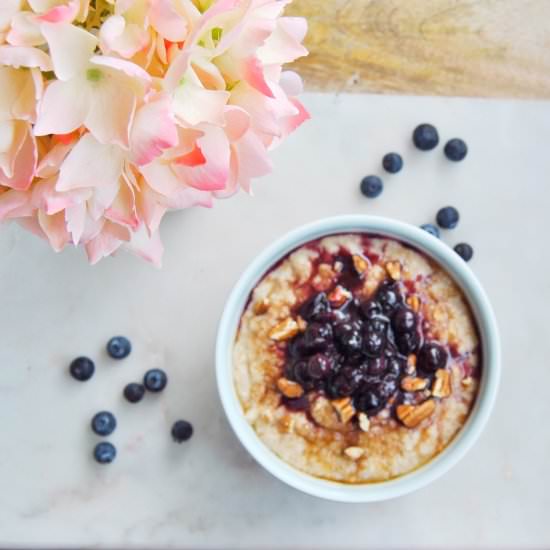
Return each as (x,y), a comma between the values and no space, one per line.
(317,336)
(388,387)
(389,297)
(373,343)
(315,307)
(377,324)
(371,309)
(404,319)
(368,402)
(431,357)
(349,337)
(395,366)
(407,342)
(376,365)
(299,372)
(341,386)
(319,366)
(297,347)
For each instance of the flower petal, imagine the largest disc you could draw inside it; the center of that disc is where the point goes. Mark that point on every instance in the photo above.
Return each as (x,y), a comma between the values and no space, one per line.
(125,39)
(70,47)
(147,247)
(25,30)
(64,107)
(153,130)
(291,83)
(10,201)
(50,163)
(122,210)
(170,22)
(61,14)
(24,166)
(106,242)
(285,44)
(55,230)
(237,122)
(253,73)
(193,104)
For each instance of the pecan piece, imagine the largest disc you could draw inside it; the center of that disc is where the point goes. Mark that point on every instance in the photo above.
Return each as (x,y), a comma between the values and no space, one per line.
(354,452)
(289,388)
(412,415)
(442,383)
(284,330)
(394,270)
(339,296)
(345,409)
(413,383)
(360,264)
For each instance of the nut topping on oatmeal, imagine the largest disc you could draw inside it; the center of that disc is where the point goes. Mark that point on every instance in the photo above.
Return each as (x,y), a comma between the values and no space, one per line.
(394,270)
(284,330)
(412,415)
(442,384)
(354,453)
(414,303)
(360,264)
(364,422)
(339,296)
(289,388)
(413,383)
(344,408)
(467,381)
(261,306)
(302,325)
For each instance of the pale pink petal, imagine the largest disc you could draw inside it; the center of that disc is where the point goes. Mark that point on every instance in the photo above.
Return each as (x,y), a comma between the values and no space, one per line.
(160,177)
(253,73)
(75,218)
(193,158)
(186,197)
(91,164)
(112,107)
(45,197)
(11,200)
(123,210)
(31,224)
(147,246)
(289,124)
(291,83)
(64,107)
(178,67)
(213,175)
(106,242)
(153,130)
(166,20)
(193,104)
(148,207)
(24,167)
(50,163)
(17,94)
(102,199)
(92,228)
(8,8)
(54,229)
(127,67)
(25,30)
(237,122)
(70,47)
(253,159)
(233,180)
(285,44)
(21,56)
(126,39)
(12,136)
(208,74)
(62,14)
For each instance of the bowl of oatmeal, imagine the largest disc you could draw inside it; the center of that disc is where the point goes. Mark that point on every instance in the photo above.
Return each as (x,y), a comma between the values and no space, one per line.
(358,358)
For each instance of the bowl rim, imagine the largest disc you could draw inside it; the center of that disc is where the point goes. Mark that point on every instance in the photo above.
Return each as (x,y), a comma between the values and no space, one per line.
(481,308)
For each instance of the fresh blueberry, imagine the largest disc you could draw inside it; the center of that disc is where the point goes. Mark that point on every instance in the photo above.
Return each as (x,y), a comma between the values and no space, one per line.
(317,336)
(392,162)
(104,452)
(425,137)
(82,368)
(403,320)
(119,347)
(155,380)
(134,392)
(182,431)
(371,186)
(431,229)
(431,357)
(104,423)
(455,149)
(389,298)
(448,217)
(319,366)
(465,251)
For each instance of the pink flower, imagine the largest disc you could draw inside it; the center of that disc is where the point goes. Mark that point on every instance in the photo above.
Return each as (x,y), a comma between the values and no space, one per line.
(146,106)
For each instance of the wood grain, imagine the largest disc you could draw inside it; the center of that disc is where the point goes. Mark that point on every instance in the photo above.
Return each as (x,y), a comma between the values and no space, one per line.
(487,48)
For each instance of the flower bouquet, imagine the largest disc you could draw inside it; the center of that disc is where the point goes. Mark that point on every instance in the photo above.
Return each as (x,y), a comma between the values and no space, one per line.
(113,112)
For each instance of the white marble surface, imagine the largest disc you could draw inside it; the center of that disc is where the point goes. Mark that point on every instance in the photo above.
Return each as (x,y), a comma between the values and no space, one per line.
(209,492)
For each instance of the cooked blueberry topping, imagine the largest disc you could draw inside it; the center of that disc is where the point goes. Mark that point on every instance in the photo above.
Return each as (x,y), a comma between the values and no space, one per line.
(104,452)
(456,149)
(181,431)
(82,369)
(315,307)
(407,342)
(349,336)
(371,186)
(134,392)
(388,297)
(373,343)
(431,357)
(431,229)
(425,137)
(298,404)
(448,217)
(155,380)
(376,365)
(465,251)
(392,162)
(319,366)
(403,320)
(318,336)
(104,423)
(369,402)
(119,347)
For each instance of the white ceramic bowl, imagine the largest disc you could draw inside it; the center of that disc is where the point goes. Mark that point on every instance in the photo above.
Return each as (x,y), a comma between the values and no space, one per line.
(481,308)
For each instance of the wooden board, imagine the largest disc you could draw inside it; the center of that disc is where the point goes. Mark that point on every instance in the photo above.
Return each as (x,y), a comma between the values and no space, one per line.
(486,48)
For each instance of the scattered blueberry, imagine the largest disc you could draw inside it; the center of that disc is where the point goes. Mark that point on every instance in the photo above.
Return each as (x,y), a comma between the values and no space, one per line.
(425,137)
(104,423)
(465,251)
(155,380)
(404,320)
(182,431)
(82,368)
(104,452)
(134,392)
(119,347)
(431,357)
(317,336)
(431,229)
(392,163)
(371,186)
(448,217)
(455,149)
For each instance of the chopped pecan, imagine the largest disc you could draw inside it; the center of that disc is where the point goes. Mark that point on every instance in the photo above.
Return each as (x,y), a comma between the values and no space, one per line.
(289,388)
(360,264)
(413,383)
(467,381)
(412,415)
(261,306)
(442,384)
(414,303)
(354,452)
(302,324)
(284,330)
(394,270)
(345,409)
(364,422)
(339,296)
